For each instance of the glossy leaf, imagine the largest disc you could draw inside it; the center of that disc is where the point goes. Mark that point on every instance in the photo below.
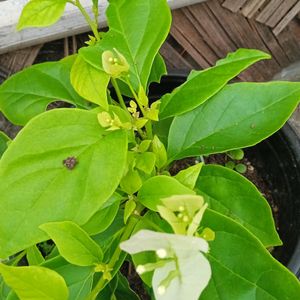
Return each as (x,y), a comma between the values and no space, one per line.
(4,139)
(145,162)
(103,218)
(79,280)
(34,256)
(239,116)
(73,243)
(234,196)
(159,187)
(40,13)
(37,184)
(204,84)
(89,82)
(238,259)
(29,92)
(189,176)
(35,282)
(132,46)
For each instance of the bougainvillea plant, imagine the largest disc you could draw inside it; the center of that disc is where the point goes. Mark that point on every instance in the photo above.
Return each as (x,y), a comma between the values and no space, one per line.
(86,190)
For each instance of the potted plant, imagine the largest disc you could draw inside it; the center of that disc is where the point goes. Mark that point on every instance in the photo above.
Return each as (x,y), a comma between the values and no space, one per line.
(81,188)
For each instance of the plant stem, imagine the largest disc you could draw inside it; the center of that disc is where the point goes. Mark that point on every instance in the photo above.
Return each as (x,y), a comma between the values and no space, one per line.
(115,257)
(93,25)
(135,96)
(118,92)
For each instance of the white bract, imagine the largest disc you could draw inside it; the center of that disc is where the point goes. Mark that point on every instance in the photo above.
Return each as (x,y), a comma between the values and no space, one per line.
(184,271)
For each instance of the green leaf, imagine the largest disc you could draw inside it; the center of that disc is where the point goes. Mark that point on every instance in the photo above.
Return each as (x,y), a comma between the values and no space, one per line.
(238,259)
(120,36)
(41,13)
(123,290)
(189,176)
(239,116)
(158,69)
(129,209)
(131,182)
(34,256)
(103,218)
(159,187)
(236,197)
(159,150)
(145,162)
(29,92)
(89,82)
(35,282)
(79,280)
(4,139)
(204,84)
(73,243)
(36,187)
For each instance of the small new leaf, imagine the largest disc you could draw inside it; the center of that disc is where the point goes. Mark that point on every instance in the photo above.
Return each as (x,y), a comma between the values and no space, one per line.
(129,209)
(73,243)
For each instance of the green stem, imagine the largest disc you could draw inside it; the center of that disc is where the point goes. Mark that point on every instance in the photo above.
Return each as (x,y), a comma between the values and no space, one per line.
(115,257)
(135,96)
(93,25)
(118,92)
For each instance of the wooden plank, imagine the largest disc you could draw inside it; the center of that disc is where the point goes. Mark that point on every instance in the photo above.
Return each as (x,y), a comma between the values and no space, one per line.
(176,60)
(279,56)
(18,60)
(211,30)
(70,24)
(182,31)
(281,11)
(234,5)
(268,11)
(252,7)
(286,20)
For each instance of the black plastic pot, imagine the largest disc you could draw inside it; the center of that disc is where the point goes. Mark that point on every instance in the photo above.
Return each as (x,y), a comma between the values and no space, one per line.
(277,160)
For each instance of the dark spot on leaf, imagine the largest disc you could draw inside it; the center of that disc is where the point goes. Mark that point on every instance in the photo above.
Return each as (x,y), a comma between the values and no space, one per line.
(70,162)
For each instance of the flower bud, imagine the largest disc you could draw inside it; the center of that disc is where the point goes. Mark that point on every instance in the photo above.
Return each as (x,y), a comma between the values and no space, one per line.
(162,253)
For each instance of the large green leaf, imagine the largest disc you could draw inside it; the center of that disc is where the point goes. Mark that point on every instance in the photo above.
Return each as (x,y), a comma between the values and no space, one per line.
(79,280)
(40,13)
(35,282)
(239,116)
(73,243)
(159,187)
(36,187)
(134,36)
(204,84)
(233,195)
(29,92)
(239,260)
(89,82)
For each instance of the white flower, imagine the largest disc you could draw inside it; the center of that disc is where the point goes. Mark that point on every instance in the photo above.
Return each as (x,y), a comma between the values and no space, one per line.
(183,271)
